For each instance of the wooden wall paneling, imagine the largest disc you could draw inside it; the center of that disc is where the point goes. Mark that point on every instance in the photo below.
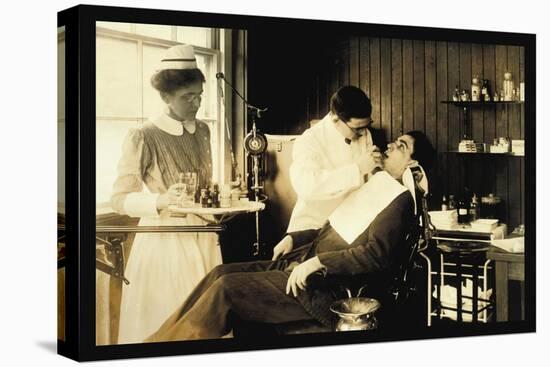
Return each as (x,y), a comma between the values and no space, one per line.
(374,48)
(514,192)
(522,79)
(465,75)
(396,90)
(408,86)
(386,85)
(344,64)
(454,123)
(442,94)
(514,120)
(489,113)
(364,64)
(324,96)
(477,113)
(514,127)
(501,166)
(522,134)
(489,118)
(430,109)
(476,167)
(418,86)
(522,185)
(313,100)
(430,87)
(354,61)
(501,66)
(334,71)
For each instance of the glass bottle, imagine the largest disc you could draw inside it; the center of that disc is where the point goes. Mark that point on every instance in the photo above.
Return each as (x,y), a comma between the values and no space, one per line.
(462,210)
(452,203)
(476,89)
(204,198)
(214,194)
(456,95)
(485,96)
(225,196)
(474,208)
(444,205)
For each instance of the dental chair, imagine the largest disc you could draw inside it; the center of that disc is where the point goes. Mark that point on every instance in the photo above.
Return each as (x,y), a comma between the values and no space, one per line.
(401,308)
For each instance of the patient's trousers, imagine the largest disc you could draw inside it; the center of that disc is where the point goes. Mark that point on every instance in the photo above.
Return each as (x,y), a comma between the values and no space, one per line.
(253,291)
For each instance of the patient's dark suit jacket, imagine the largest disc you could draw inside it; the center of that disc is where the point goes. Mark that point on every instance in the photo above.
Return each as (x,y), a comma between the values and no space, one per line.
(372,258)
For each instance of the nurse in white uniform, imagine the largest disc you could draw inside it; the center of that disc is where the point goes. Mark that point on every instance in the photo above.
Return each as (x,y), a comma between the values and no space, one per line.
(163,268)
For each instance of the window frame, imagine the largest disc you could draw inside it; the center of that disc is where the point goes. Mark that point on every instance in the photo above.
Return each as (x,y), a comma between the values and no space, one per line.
(217,129)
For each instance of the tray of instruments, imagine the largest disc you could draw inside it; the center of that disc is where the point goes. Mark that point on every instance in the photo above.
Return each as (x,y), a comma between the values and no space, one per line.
(241,206)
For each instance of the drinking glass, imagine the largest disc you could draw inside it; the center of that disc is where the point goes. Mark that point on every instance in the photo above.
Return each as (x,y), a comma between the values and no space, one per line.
(190,181)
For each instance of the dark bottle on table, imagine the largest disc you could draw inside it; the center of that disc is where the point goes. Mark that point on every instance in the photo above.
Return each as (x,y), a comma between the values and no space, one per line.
(215,195)
(198,193)
(208,198)
(452,203)
(463,210)
(204,198)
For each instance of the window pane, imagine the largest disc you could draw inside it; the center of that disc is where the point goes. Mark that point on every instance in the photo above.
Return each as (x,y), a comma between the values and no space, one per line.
(117,85)
(197,36)
(123,27)
(110,135)
(208,105)
(152,103)
(155,30)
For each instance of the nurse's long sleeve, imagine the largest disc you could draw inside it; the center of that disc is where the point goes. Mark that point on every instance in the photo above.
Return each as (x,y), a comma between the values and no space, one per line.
(311,180)
(128,196)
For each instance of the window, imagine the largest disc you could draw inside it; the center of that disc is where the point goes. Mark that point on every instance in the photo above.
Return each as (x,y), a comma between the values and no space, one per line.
(127,56)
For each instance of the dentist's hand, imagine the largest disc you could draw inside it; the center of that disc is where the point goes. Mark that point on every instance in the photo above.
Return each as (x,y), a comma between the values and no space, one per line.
(297,278)
(371,159)
(283,247)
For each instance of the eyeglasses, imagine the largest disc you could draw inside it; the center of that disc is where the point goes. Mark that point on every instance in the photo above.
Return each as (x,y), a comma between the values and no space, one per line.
(192,97)
(361,129)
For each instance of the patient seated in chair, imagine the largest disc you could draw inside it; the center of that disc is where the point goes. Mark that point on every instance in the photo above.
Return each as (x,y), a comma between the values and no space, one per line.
(364,238)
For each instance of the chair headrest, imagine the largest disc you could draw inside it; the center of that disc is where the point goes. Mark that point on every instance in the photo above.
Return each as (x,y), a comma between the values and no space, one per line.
(415,179)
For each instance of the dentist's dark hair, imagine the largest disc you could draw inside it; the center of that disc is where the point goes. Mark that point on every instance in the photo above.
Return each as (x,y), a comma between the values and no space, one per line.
(350,101)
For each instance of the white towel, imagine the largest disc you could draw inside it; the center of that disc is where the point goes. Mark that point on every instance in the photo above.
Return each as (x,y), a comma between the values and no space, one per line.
(360,208)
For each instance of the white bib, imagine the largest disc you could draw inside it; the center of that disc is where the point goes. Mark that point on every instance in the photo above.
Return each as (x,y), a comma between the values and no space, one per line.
(360,208)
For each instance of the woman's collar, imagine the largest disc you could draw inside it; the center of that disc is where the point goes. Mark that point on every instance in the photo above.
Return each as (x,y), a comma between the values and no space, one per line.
(173,126)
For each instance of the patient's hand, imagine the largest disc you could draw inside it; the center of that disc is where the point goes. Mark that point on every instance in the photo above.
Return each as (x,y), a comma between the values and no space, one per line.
(298,277)
(283,247)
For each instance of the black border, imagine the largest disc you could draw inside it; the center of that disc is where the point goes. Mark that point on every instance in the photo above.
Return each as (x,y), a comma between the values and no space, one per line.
(80,176)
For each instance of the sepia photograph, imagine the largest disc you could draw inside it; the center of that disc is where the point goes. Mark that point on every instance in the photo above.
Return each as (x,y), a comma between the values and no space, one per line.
(263,183)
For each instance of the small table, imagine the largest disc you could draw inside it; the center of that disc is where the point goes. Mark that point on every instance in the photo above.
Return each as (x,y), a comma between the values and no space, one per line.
(508,266)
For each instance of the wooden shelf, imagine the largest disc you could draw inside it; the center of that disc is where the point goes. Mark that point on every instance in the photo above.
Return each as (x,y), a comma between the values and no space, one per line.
(486,154)
(479,103)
